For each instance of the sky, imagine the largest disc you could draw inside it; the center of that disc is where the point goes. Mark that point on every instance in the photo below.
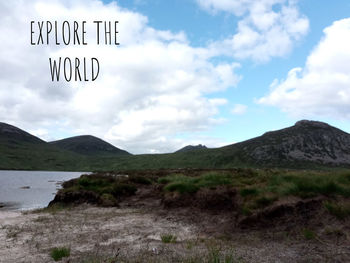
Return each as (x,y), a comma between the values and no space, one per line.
(212,72)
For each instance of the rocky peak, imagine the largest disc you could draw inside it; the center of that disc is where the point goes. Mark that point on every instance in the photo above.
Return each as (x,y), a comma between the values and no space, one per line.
(316,124)
(305,141)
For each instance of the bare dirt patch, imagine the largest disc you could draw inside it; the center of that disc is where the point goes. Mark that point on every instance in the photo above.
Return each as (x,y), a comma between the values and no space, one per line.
(96,234)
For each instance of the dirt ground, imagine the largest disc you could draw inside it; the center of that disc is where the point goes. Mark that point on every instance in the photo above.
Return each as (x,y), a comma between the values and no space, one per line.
(124,234)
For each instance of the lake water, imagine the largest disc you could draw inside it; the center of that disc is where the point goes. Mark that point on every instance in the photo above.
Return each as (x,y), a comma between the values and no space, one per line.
(24,190)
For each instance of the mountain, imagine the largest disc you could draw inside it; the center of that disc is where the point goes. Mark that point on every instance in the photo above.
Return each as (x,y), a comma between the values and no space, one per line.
(21,150)
(190,148)
(305,142)
(14,135)
(88,145)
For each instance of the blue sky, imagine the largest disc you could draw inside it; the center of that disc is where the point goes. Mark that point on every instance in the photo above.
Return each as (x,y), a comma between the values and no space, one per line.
(186,72)
(202,27)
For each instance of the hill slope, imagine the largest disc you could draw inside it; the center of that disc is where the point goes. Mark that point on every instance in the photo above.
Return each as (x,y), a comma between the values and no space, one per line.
(305,142)
(14,135)
(190,148)
(21,150)
(88,145)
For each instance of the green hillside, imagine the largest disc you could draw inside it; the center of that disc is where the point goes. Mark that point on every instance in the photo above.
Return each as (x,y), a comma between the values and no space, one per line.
(307,144)
(88,145)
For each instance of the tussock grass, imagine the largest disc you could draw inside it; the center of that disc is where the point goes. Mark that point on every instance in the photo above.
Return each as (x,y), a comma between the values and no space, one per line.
(58,253)
(187,184)
(168,238)
(309,184)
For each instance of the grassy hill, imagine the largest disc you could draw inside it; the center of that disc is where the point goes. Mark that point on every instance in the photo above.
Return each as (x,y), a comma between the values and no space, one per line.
(307,144)
(88,145)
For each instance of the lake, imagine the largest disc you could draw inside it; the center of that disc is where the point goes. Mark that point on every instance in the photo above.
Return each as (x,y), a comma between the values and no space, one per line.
(24,190)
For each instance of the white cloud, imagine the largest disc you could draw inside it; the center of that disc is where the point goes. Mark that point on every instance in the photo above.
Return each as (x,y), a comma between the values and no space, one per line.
(239,109)
(151,87)
(266,29)
(322,87)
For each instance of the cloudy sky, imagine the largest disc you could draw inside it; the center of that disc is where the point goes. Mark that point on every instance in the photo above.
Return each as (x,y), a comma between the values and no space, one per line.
(186,71)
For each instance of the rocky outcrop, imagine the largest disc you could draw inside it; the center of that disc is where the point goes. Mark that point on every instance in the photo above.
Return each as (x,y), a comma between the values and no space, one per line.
(306,141)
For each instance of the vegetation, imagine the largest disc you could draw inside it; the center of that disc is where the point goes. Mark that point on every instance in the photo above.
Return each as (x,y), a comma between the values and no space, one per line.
(58,253)
(168,238)
(186,184)
(309,234)
(340,211)
(256,188)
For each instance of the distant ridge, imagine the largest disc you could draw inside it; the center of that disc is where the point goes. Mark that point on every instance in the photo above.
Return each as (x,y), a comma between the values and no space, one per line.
(190,148)
(307,144)
(88,145)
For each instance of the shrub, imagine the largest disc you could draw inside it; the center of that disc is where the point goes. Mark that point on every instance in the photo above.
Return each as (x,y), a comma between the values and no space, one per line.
(58,253)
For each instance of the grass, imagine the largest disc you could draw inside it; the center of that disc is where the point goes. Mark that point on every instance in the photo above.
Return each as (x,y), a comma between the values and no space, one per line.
(282,183)
(186,184)
(264,201)
(168,238)
(257,188)
(53,209)
(58,253)
(248,191)
(309,234)
(309,184)
(107,187)
(340,211)
(261,188)
(140,180)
